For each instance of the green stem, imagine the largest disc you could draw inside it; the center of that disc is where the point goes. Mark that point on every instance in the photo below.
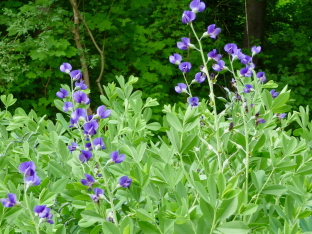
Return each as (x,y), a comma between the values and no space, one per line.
(212,96)
(189,89)
(213,222)
(30,211)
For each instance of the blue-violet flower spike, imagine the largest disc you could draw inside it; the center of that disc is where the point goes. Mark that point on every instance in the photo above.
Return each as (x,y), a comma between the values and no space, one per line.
(76,75)
(261,77)
(81,98)
(89,181)
(229,48)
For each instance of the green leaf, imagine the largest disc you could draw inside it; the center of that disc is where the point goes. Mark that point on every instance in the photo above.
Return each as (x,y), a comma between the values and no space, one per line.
(147,227)
(13,213)
(110,228)
(189,143)
(57,169)
(207,210)
(174,121)
(227,208)
(144,215)
(250,209)
(274,190)
(202,191)
(92,216)
(185,228)
(257,179)
(234,227)
(279,101)
(61,230)
(60,185)
(153,126)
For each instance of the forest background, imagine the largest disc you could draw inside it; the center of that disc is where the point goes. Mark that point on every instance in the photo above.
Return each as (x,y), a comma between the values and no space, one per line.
(106,38)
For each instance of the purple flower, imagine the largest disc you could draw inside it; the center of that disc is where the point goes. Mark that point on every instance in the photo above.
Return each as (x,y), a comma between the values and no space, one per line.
(230,48)
(219,66)
(90,127)
(212,32)
(32,179)
(42,211)
(98,143)
(78,115)
(175,58)
(193,101)
(181,88)
(85,156)
(185,44)
(282,116)
(102,113)
(261,121)
(247,71)
(247,88)
(89,181)
(110,217)
(261,77)
(27,167)
(49,218)
(81,98)
(185,67)
(72,147)
(197,6)
(10,202)
(273,93)
(200,77)
(98,194)
(76,75)
(188,17)
(237,54)
(255,50)
(66,68)
(63,94)
(88,146)
(116,157)
(213,55)
(125,181)
(68,106)
(80,85)
(246,60)
(90,117)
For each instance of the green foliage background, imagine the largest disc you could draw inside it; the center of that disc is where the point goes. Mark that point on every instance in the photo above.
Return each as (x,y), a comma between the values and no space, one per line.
(137,37)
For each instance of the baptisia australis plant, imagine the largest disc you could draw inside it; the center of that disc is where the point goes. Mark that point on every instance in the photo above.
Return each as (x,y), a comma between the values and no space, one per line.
(231,138)
(90,145)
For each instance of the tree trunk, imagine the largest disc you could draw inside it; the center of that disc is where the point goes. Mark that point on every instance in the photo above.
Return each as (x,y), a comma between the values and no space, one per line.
(254,26)
(79,45)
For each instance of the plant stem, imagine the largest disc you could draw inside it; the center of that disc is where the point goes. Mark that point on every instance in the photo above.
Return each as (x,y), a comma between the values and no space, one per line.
(30,212)
(189,89)
(212,100)
(213,222)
